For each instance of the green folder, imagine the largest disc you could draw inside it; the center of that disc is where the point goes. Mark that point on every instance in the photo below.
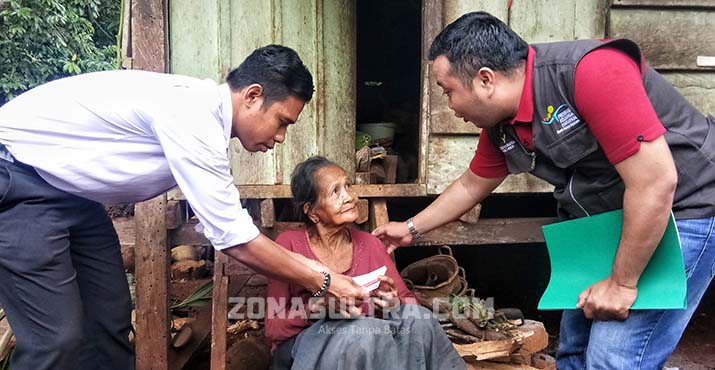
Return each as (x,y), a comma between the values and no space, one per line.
(582,252)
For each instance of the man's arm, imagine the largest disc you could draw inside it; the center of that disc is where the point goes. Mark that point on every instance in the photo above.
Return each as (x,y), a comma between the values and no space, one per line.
(268,258)
(650,178)
(461,196)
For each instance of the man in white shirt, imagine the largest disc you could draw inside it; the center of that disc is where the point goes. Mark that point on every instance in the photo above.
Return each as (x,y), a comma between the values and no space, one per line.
(72,144)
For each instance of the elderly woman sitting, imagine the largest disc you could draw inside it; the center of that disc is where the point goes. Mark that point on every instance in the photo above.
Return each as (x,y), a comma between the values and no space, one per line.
(403,335)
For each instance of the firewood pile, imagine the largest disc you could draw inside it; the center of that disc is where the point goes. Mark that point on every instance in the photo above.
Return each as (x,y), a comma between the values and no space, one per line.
(486,338)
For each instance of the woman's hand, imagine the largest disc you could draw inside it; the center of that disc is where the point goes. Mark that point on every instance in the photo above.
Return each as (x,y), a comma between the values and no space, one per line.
(386,298)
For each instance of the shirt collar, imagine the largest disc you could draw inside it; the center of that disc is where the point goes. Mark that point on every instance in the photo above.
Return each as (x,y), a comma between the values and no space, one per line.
(224,93)
(525,112)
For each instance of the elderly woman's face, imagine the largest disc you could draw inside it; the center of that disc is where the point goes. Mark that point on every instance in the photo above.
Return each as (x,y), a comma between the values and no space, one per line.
(337,202)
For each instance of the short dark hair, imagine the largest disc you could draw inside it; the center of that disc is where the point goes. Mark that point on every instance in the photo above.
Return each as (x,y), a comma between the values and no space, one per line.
(477,40)
(304,186)
(278,69)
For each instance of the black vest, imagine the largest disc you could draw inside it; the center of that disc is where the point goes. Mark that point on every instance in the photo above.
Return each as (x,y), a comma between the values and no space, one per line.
(567,155)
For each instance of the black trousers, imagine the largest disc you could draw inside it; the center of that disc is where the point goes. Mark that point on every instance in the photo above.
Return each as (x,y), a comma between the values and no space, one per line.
(62,282)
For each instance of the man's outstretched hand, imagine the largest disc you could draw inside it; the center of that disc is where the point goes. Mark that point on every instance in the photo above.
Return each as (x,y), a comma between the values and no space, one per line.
(393,235)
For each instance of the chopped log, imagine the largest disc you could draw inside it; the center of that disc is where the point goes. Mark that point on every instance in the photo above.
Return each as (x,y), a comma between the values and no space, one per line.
(488,365)
(487,349)
(531,336)
(189,270)
(183,253)
(242,325)
(461,336)
(541,360)
(182,337)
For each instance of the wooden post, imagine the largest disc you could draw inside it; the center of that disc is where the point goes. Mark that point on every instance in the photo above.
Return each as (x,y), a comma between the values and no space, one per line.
(378,213)
(149,40)
(152,276)
(220,313)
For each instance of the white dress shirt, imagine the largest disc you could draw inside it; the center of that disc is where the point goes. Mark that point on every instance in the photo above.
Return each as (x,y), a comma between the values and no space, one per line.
(127,136)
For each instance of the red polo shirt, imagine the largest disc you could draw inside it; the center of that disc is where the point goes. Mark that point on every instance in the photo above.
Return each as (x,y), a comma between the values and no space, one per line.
(609,96)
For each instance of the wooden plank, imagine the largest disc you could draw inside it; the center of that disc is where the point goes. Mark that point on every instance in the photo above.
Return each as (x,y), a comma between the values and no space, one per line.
(488,365)
(378,213)
(669,39)
(488,231)
(449,157)
(453,9)
(665,3)
(432,23)
(698,88)
(486,349)
(126,43)
(194,38)
(299,25)
(254,21)
(152,286)
(591,19)
(338,83)
(149,45)
(126,230)
(268,213)
(219,304)
(542,21)
(149,35)
(283,191)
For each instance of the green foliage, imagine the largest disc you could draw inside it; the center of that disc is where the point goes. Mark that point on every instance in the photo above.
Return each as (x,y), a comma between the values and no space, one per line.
(42,40)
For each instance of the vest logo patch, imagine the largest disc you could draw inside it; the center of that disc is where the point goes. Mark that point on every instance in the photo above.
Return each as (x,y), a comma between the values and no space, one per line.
(505,145)
(563,118)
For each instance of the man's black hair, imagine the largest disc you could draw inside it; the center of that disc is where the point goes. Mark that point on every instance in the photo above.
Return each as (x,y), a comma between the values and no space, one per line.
(304,185)
(477,40)
(278,69)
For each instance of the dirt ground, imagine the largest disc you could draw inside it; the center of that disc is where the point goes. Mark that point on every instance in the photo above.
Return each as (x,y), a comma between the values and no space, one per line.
(696,350)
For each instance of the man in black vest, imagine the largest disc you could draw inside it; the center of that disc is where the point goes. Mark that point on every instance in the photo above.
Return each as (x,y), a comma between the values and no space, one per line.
(608,132)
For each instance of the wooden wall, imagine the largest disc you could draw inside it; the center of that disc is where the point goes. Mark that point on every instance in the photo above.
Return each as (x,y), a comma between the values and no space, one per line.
(209,39)
(451,143)
(671,33)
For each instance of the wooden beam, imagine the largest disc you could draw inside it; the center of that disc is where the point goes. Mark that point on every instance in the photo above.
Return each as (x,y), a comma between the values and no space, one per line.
(488,231)
(283,191)
(148,48)
(665,3)
(378,213)
(268,213)
(219,313)
(152,277)
(363,206)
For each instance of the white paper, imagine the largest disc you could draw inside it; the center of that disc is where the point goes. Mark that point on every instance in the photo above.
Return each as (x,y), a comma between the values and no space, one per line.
(369,281)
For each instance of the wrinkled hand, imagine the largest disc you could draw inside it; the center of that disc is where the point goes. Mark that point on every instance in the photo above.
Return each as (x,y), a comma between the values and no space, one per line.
(393,235)
(347,295)
(607,300)
(386,298)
